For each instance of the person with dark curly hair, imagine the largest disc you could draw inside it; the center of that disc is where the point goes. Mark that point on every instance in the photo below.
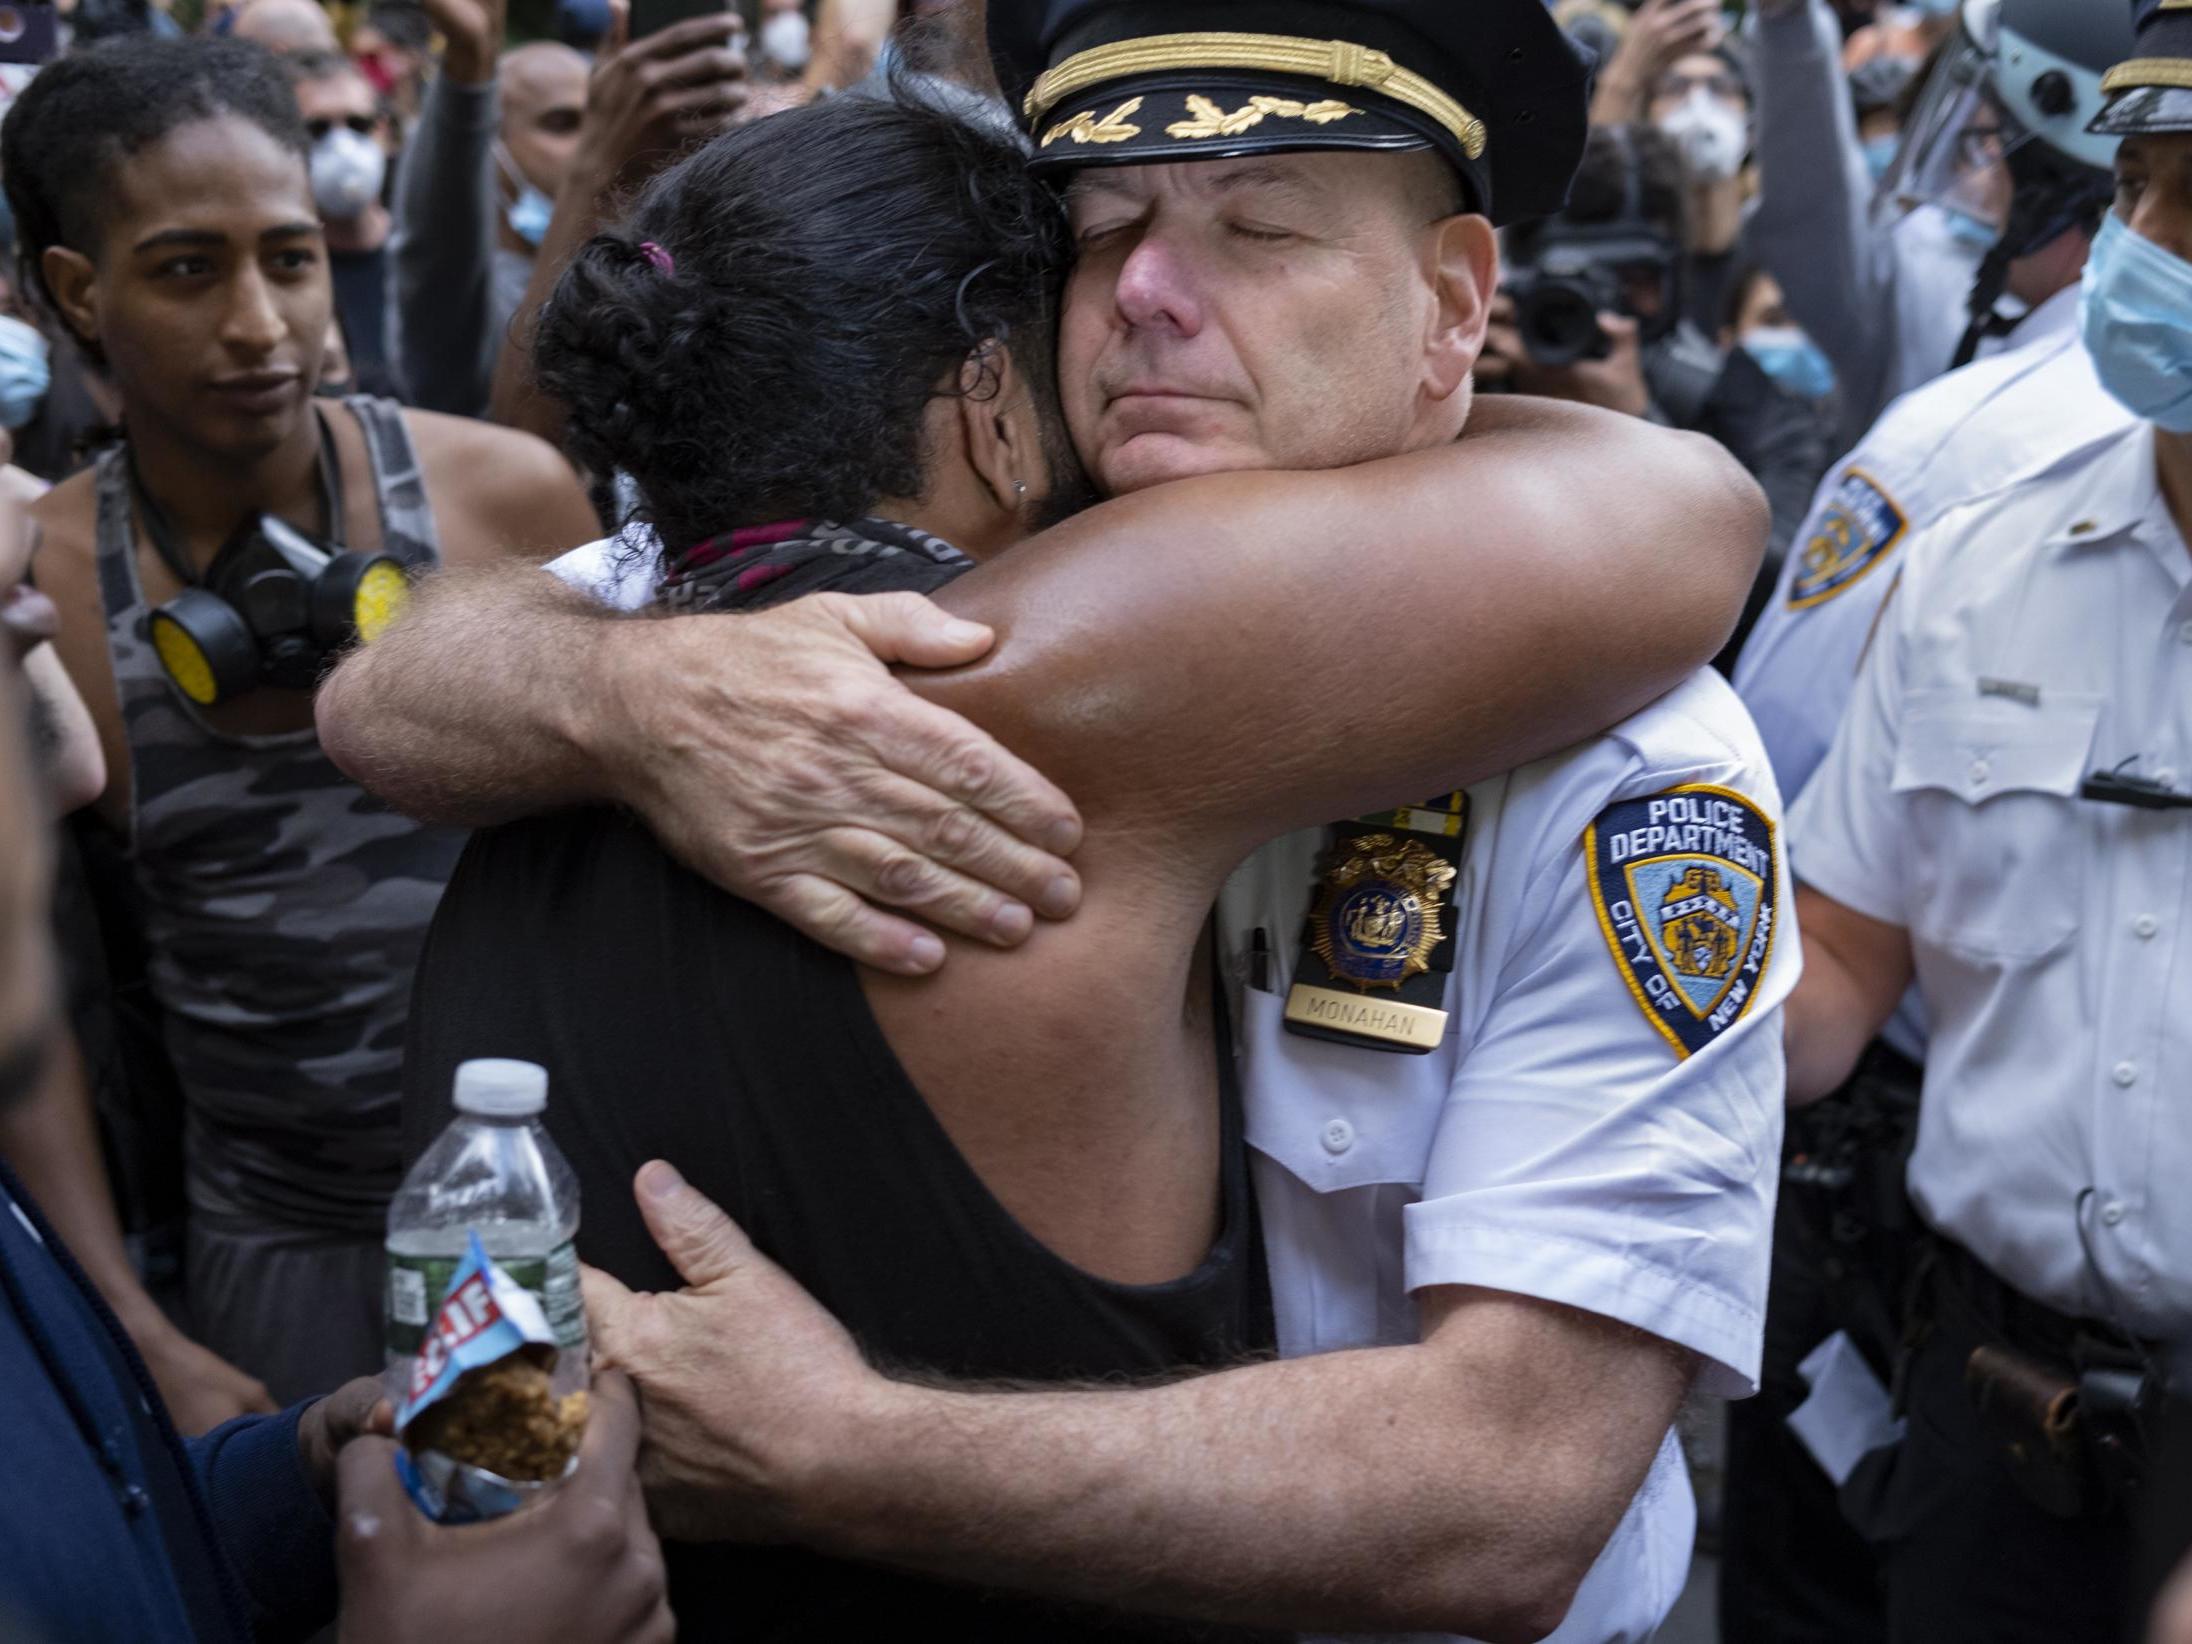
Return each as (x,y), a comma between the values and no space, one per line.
(164,207)
(819,348)
(783,361)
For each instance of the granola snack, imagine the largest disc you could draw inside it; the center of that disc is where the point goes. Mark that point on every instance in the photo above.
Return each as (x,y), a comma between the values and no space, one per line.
(505,1419)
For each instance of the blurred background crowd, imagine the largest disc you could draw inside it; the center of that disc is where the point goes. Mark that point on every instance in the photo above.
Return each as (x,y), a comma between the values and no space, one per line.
(1783,223)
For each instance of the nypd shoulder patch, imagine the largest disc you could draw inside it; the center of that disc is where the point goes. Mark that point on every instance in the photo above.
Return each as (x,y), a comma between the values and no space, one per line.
(1688,892)
(1862,526)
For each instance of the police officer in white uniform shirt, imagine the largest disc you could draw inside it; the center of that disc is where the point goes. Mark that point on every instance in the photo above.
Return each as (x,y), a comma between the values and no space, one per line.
(2006,814)
(1591,1118)
(1790,1564)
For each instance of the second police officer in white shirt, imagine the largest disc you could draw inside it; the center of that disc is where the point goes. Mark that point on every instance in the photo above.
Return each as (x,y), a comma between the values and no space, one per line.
(2004,814)
(1844,1237)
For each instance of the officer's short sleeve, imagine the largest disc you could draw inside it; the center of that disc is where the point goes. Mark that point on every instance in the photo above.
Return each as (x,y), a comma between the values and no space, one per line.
(1845,830)
(1612,1136)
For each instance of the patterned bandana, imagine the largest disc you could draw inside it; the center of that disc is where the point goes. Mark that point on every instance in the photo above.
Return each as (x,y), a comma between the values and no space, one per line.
(764,565)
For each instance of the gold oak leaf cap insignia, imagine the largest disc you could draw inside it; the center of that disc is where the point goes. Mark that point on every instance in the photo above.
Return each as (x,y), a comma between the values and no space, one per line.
(1493,86)
(2149,89)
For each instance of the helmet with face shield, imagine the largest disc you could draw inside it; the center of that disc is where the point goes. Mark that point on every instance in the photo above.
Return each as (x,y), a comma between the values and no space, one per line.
(1998,139)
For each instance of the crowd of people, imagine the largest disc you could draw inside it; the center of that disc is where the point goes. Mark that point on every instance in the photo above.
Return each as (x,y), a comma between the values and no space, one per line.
(869,583)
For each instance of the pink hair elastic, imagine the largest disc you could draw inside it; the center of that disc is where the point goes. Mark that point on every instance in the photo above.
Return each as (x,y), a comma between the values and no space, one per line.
(662,260)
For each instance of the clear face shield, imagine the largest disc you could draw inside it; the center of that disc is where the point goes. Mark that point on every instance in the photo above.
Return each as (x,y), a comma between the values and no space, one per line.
(1958,140)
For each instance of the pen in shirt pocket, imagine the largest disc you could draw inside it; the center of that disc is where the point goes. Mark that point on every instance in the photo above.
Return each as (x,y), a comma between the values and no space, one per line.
(1259,960)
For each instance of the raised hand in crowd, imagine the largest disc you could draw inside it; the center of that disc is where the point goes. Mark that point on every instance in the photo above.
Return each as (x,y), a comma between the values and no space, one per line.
(472,34)
(652,98)
(649,101)
(583,1567)
(1660,34)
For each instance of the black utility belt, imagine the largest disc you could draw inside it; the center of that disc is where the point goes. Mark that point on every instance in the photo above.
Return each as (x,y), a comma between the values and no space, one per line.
(1991,1307)
(2072,1403)
(1378,945)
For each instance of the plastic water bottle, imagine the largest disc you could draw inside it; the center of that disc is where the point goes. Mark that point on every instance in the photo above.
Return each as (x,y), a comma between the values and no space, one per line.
(496,1170)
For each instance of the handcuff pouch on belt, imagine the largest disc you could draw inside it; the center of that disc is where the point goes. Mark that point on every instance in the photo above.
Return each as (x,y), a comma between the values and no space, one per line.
(2075,1442)
(1379,944)
(2073,1417)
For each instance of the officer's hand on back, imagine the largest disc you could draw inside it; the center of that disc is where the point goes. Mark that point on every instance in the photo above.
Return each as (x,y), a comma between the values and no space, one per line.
(792,769)
(583,1567)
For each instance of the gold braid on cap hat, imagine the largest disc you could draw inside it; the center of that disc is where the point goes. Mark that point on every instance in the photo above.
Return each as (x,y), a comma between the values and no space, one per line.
(1337,61)
(2173,72)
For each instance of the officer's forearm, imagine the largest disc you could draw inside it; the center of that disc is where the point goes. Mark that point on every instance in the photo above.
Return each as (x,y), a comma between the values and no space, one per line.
(1463,1485)
(478,706)
(1855,969)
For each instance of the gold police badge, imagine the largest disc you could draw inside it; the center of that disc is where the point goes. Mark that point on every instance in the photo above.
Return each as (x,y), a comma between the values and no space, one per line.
(1378,912)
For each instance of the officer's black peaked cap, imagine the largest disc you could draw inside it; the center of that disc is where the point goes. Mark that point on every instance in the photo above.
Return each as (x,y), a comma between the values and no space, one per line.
(2153,90)
(1494,85)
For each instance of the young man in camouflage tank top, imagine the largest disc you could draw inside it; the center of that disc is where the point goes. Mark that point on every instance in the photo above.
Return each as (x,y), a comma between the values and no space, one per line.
(282,907)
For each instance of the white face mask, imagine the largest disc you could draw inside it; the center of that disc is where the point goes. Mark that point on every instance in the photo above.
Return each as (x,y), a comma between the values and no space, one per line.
(347,171)
(786,39)
(1713,137)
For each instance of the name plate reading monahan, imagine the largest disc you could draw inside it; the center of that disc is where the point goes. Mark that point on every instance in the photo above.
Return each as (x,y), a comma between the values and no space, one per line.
(1403,1026)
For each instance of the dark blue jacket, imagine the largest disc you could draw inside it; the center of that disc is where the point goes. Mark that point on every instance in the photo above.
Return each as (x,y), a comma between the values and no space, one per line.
(111,1527)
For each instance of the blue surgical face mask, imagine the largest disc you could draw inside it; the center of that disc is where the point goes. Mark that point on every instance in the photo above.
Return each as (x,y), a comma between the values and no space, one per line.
(25,374)
(1880,154)
(528,215)
(2136,308)
(1974,233)
(1792,360)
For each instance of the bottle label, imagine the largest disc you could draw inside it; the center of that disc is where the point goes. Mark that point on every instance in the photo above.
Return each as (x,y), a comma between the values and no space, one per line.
(416,1285)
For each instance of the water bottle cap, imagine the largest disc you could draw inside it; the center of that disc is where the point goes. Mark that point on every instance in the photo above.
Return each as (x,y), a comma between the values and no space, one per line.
(500,1088)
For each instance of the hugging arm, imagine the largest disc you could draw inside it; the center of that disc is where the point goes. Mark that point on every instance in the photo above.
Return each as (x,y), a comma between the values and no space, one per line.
(1435,618)
(1461,1484)
(1250,653)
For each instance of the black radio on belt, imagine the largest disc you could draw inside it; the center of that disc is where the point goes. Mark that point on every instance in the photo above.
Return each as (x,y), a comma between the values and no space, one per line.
(1380,942)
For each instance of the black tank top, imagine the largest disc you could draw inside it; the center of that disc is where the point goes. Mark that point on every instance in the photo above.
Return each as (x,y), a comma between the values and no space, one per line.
(678,1022)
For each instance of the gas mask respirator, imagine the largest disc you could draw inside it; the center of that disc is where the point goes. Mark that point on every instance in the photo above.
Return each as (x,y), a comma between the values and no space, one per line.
(273,609)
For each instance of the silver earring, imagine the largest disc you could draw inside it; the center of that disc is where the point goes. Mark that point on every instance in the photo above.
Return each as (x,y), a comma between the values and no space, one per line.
(1019,488)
